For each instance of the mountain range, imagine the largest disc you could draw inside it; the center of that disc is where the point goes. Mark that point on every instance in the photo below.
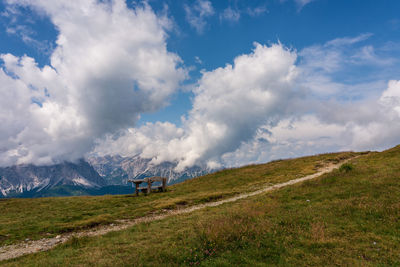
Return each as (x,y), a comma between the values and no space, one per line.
(94,176)
(20,179)
(116,170)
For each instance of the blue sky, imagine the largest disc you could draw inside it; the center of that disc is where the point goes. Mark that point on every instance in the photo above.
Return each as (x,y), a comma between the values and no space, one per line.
(221,83)
(315,23)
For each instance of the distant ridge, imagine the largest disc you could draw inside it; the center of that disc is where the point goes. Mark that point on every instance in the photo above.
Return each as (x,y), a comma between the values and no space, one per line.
(22,179)
(96,176)
(116,170)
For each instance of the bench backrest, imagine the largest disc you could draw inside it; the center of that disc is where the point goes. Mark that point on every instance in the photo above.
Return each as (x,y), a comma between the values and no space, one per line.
(156,179)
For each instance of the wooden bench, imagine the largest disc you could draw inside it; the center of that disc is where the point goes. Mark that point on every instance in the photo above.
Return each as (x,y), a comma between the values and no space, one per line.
(150,180)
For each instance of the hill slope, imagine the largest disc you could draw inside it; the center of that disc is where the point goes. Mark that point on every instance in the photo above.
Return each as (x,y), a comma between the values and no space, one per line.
(65,214)
(347,217)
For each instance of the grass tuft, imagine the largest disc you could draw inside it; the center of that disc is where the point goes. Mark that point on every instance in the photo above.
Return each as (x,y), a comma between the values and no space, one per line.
(346,167)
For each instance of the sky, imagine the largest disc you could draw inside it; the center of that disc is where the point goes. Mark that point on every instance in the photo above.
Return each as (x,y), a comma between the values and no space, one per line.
(213,83)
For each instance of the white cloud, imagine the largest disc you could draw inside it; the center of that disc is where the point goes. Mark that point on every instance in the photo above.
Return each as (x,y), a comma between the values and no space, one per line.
(256,11)
(146,140)
(198,60)
(390,98)
(348,40)
(276,103)
(230,104)
(340,127)
(290,137)
(233,14)
(330,56)
(333,69)
(230,14)
(110,64)
(197,14)
(299,3)
(302,3)
(353,111)
(368,54)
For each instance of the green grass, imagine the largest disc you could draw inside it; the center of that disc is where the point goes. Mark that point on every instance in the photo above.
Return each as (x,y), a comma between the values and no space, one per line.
(344,218)
(46,217)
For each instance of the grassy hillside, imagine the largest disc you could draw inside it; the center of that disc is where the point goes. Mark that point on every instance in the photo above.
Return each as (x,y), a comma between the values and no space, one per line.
(349,217)
(45,217)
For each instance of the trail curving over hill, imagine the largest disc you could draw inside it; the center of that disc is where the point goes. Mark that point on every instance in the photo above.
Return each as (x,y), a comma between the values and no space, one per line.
(29,247)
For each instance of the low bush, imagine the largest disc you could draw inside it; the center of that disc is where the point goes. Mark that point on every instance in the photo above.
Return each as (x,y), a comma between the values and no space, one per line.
(346,167)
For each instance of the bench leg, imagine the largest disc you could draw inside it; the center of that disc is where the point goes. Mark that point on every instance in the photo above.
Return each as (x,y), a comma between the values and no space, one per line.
(148,187)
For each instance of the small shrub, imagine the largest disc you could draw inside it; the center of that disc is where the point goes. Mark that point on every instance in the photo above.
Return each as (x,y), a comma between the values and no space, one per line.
(346,167)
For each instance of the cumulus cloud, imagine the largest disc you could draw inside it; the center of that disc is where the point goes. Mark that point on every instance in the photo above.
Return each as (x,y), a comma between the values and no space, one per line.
(197,14)
(230,104)
(364,126)
(338,110)
(110,64)
(391,99)
(145,141)
(277,103)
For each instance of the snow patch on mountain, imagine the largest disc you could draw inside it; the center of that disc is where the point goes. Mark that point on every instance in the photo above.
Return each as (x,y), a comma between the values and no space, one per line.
(118,170)
(26,178)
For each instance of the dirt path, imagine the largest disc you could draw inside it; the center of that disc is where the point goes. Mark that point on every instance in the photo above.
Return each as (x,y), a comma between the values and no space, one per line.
(17,250)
